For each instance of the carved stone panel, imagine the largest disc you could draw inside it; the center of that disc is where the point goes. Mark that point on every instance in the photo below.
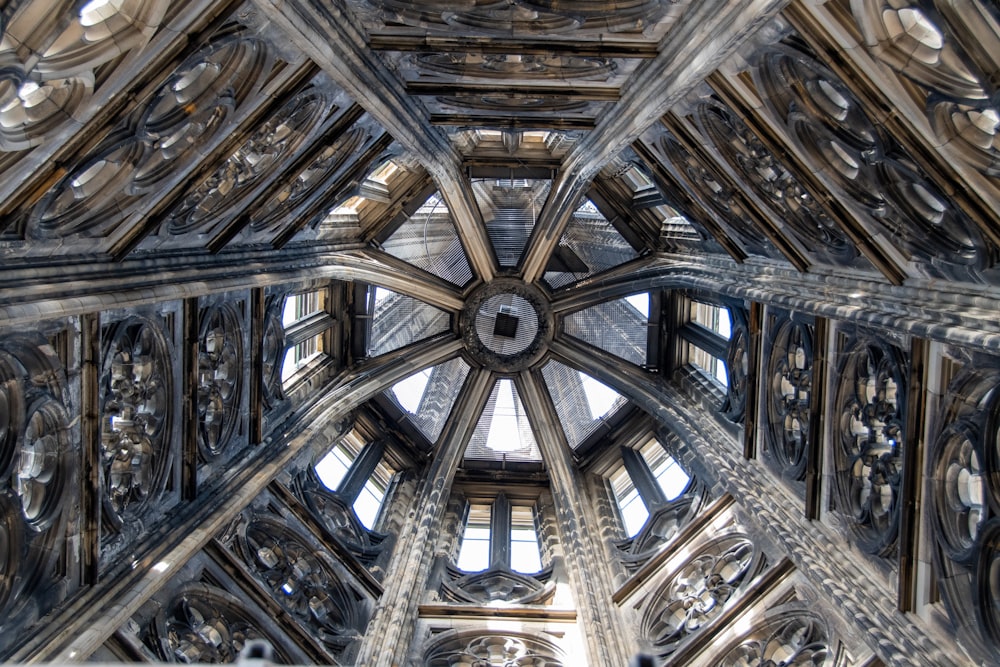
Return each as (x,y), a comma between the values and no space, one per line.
(787,391)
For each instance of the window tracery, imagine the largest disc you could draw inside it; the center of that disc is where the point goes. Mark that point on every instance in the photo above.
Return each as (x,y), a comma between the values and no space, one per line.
(965,490)
(37,482)
(502,649)
(789,386)
(871,399)
(697,592)
(788,636)
(220,378)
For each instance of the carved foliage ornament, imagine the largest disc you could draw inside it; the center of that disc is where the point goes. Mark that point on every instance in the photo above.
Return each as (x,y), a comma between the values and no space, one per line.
(302,582)
(966,506)
(273,352)
(204,624)
(220,378)
(789,377)
(493,649)
(526,16)
(950,50)
(36,470)
(767,177)
(830,129)
(163,135)
(698,592)
(48,56)
(788,638)
(871,398)
(135,419)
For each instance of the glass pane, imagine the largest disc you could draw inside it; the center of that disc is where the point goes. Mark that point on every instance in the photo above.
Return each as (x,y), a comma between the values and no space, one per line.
(332,467)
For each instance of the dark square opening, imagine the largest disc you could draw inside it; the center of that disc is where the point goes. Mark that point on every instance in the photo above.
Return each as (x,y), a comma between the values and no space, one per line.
(505,325)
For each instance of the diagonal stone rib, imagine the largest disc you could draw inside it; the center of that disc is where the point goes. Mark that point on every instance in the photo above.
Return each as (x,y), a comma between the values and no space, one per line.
(382,269)
(719,27)
(328,34)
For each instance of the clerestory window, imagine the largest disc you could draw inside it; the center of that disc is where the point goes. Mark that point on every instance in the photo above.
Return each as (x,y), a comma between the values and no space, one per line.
(706,335)
(648,477)
(357,471)
(306,322)
(500,535)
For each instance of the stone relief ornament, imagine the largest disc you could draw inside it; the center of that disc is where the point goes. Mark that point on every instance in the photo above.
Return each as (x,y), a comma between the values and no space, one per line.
(698,592)
(302,582)
(789,385)
(965,500)
(259,158)
(765,175)
(136,405)
(949,49)
(49,54)
(220,378)
(167,133)
(37,473)
(512,649)
(737,366)
(871,398)
(832,132)
(205,624)
(786,638)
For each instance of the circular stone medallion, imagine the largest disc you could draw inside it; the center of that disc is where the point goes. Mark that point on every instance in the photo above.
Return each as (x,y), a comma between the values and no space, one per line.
(507,325)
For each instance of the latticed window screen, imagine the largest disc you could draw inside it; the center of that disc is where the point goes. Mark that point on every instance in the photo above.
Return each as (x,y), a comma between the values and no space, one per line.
(428,396)
(581,402)
(510,208)
(503,432)
(428,240)
(398,320)
(615,326)
(589,245)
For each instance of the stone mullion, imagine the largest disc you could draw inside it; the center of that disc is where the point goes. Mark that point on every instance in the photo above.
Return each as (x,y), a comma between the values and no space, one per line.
(817,403)
(589,574)
(917,408)
(81,627)
(755,360)
(258,313)
(90,439)
(390,632)
(815,551)
(642,477)
(500,523)
(361,470)
(189,399)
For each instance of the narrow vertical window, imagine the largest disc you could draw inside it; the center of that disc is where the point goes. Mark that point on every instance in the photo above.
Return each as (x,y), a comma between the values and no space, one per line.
(474,555)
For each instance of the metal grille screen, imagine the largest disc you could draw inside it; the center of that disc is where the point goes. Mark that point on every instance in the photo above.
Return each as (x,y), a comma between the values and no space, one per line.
(428,240)
(503,432)
(614,326)
(444,381)
(510,208)
(589,245)
(576,403)
(399,320)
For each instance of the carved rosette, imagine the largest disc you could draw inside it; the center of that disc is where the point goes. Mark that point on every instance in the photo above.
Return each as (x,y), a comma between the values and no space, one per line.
(302,582)
(965,465)
(509,649)
(765,175)
(737,366)
(949,49)
(871,398)
(136,405)
(258,158)
(37,468)
(784,638)
(698,592)
(205,624)
(50,54)
(834,135)
(220,378)
(789,373)
(272,352)
(186,113)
